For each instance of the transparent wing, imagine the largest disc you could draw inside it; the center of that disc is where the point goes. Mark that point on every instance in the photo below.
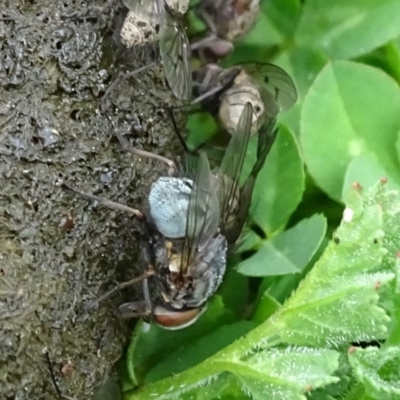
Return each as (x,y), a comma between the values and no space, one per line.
(149,10)
(275,84)
(266,138)
(203,214)
(230,171)
(175,53)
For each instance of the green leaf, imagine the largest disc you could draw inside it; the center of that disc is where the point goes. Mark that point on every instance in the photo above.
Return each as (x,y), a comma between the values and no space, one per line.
(305,64)
(348,28)
(365,171)
(284,15)
(338,389)
(378,370)
(335,304)
(266,307)
(201,127)
(224,388)
(281,287)
(280,183)
(192,354)
(394,336)
(398,146)
(288,252)
(151,344)
(232,284)
(350,110)
(288,374)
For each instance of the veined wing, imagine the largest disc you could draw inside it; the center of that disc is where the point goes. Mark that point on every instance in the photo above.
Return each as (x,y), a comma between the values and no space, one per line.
(150,10)
(266,138)
(275,85)
(175,54)
(203,214)
(228,175)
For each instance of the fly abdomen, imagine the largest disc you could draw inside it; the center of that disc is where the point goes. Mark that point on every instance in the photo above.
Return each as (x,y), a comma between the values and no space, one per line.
(169,202)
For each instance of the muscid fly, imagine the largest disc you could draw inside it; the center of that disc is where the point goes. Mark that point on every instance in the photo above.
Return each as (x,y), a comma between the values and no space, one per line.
(201,221)
(191,225)
(173,42)
(185,252)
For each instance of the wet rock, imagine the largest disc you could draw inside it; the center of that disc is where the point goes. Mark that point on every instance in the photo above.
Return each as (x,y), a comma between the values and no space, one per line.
(57,252)
(48,135)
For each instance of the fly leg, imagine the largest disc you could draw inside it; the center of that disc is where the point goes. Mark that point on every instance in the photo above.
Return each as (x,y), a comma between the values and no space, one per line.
(170,112)
(119,79)
(147,274)
(225,80)
(104,202)
(203,42)
(136,309)
(218,47)
(144,307)
(210,25)
(143,153)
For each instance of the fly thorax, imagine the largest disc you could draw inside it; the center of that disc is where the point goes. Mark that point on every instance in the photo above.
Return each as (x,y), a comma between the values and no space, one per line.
(136,31)
(168,204)
(244,90)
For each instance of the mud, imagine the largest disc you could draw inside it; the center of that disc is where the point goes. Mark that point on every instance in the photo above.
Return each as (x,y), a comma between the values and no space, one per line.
(57,252)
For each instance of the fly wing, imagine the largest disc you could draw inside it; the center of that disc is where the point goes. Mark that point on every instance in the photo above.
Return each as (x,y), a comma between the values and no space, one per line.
(276,86)
(203,214)
(229,174)
(266,138)
(175,54)
(150,10)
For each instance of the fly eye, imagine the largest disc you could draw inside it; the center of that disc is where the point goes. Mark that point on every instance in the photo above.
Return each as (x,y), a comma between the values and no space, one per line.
(257,109)
(174,320)
(174,250)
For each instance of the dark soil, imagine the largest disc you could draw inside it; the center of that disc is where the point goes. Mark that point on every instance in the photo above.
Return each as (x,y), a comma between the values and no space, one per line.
(57,252)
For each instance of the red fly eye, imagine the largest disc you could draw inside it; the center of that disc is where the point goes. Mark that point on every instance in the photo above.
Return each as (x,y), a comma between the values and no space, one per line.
(174,320)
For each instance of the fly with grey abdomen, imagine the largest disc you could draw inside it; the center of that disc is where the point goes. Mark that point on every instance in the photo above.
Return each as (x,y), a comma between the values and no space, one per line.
(202,219)
(190,256)
(186,252)
(191,225)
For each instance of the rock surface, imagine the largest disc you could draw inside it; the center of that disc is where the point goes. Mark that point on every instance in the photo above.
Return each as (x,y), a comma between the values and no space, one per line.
(57,252)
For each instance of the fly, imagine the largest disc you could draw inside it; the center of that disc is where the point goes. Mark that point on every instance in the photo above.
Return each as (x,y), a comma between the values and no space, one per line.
(186,259)
(191,265)
(213,208)
(190,226)
(173,41)
(225,92)
(227,20)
